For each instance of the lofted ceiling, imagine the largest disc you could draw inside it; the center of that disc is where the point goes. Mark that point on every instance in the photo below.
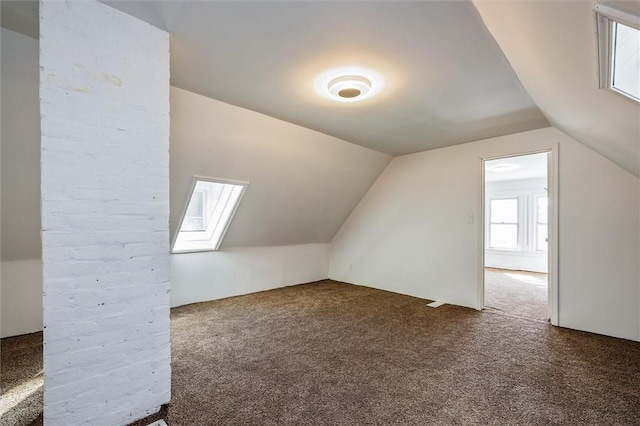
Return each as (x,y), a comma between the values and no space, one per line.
(445,79)
(448,67)
(552,47)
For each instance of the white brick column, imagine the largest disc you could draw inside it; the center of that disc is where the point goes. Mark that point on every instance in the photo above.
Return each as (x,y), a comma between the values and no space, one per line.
(104,102)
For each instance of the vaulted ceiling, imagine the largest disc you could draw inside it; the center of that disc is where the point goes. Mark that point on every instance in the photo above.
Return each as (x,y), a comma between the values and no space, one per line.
(453,71)
(445,79)
(552,47)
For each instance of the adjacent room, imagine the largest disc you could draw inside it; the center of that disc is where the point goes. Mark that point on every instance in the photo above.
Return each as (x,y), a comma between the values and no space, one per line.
(309,212)
(516,235)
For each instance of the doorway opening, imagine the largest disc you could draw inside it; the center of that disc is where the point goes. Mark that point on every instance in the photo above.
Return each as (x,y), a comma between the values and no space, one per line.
(519,236)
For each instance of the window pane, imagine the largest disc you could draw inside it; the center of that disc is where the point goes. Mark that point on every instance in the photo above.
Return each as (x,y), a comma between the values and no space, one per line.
(504,211)
(543,210)
(192,224)
(542,233)
(195,205)
(194,218)
(208,215)
(503,236)
(626,60)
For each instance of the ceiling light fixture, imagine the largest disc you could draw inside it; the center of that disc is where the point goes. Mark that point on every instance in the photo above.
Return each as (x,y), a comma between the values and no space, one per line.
(348,85)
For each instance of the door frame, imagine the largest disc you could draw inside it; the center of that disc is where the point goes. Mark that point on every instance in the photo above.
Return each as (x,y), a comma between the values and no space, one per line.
(553,301)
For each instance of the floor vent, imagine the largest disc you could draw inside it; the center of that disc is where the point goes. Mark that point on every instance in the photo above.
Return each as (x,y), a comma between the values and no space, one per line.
(159,423)
(435,304)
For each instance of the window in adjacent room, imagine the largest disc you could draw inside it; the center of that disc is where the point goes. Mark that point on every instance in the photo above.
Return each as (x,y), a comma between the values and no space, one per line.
(618,50)
(208,213)
(503,225)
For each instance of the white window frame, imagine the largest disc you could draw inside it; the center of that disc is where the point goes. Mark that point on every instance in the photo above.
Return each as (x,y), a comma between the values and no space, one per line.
(606,18)
(527,221)
(518,224)
(224,207)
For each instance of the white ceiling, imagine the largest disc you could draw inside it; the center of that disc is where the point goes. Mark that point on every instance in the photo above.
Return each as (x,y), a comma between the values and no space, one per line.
(447,81)
(552,47)
(524,167)
(440,89)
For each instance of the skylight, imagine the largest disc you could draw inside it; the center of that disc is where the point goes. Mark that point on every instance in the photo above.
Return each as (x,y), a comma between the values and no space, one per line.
(619,50)
(209,211)
(626,60)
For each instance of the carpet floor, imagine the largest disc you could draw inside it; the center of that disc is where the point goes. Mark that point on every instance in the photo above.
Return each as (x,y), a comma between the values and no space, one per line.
(21,380)
(516,294)
(330,353)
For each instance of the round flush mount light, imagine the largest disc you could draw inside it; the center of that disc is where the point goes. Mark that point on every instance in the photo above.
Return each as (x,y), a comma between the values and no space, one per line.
(348,85)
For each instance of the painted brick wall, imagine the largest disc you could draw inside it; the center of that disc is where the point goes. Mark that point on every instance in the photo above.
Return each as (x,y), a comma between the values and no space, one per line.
(104,94)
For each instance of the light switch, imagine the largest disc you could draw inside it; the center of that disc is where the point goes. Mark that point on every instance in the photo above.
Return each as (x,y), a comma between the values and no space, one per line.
(470,218)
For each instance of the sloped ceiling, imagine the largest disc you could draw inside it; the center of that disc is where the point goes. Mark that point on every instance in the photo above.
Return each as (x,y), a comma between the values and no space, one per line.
(552,47)
(445,79)
(302,184)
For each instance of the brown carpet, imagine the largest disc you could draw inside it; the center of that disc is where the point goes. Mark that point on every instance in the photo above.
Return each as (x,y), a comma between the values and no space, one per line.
(21,380)
(332,353)
(516,293)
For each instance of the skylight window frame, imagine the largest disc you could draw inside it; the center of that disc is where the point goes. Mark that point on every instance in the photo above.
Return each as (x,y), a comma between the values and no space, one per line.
(207,233)
(606,19)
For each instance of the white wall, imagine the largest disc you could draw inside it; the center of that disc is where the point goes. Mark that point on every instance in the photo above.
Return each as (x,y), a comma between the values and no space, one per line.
(555,57)
(527,258)
(303,184)
(21,269)
(599,245)
(20,148)
(104,99)
(409,233)
(21,299)
(198,277)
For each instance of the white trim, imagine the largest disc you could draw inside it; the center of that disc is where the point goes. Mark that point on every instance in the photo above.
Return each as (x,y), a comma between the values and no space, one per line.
(553,252)
(527,216)
(194,180)
(605,17)
(618,15)
(519,228)
(553,195)
(481,242)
